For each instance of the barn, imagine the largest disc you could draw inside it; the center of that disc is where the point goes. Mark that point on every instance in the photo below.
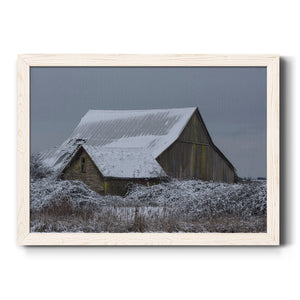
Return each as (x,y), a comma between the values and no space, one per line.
(110,149)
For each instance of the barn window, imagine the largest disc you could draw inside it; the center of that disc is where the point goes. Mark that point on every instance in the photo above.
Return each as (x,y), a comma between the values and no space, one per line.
(83,166)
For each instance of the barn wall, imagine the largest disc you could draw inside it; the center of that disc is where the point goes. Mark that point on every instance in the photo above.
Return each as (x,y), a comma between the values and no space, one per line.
(120,186)
(192,156)
(91,177)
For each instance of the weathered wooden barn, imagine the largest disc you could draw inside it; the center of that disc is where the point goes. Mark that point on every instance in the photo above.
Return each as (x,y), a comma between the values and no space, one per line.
(110,149)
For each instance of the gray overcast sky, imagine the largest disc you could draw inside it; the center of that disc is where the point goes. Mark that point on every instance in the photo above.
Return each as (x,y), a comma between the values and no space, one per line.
(231,100)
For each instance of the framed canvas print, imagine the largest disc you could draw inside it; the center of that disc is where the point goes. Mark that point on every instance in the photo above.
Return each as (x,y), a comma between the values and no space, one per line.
(148,149)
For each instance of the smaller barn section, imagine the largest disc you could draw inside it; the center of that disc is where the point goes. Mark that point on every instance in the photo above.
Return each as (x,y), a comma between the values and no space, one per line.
(110,170)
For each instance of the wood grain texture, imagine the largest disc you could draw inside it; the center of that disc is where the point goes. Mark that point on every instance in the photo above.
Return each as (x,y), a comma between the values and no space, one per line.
(273,146)
(23,149)
(148,239)
(269,238)
(146,60)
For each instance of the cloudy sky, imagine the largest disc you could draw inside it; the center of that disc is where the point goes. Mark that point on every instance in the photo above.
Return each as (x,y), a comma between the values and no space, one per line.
(231,100)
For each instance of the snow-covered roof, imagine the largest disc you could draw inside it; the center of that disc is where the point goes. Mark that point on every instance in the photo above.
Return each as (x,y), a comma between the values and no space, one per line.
(148,132)
(153,130)
(124,162)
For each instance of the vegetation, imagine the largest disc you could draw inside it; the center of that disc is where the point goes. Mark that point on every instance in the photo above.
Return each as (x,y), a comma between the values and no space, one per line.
(174,206)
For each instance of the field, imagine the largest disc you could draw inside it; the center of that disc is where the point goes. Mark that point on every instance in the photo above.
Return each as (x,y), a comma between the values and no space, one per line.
(174,206)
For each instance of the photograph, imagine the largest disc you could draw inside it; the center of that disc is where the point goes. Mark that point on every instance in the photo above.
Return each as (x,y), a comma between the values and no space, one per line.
(146,149)
(150,150)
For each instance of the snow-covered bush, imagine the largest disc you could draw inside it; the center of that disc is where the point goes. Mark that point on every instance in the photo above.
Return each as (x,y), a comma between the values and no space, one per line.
(45,194)
(189,206)
(204,199)
(37,169)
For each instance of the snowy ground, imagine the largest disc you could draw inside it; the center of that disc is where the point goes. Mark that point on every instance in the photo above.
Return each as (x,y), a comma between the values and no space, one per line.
(175,206)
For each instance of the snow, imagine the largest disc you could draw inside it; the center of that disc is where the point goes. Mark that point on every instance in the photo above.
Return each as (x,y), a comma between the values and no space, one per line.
(174,206)
(125,163)
(150,131)
(154,129)
(93,116)
(57,158)
(145,142)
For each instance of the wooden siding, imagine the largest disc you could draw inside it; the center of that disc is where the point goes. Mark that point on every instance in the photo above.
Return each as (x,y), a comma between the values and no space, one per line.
(91,177)
(119,186)
(193,155)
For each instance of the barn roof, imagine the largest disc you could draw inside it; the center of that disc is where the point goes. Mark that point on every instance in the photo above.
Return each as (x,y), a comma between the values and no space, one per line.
(124,162)
(153,130)
(148,132)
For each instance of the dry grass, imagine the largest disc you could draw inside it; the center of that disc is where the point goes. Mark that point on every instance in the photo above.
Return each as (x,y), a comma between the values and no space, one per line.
(136,219)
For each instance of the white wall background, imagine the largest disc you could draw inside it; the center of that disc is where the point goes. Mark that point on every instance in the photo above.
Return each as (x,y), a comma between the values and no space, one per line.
(242,27)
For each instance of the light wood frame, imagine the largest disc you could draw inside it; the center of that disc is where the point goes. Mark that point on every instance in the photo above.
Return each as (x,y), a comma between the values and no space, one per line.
(271,237)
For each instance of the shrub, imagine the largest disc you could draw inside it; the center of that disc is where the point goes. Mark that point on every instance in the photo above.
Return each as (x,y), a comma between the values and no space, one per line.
(37,169)
(187,206)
